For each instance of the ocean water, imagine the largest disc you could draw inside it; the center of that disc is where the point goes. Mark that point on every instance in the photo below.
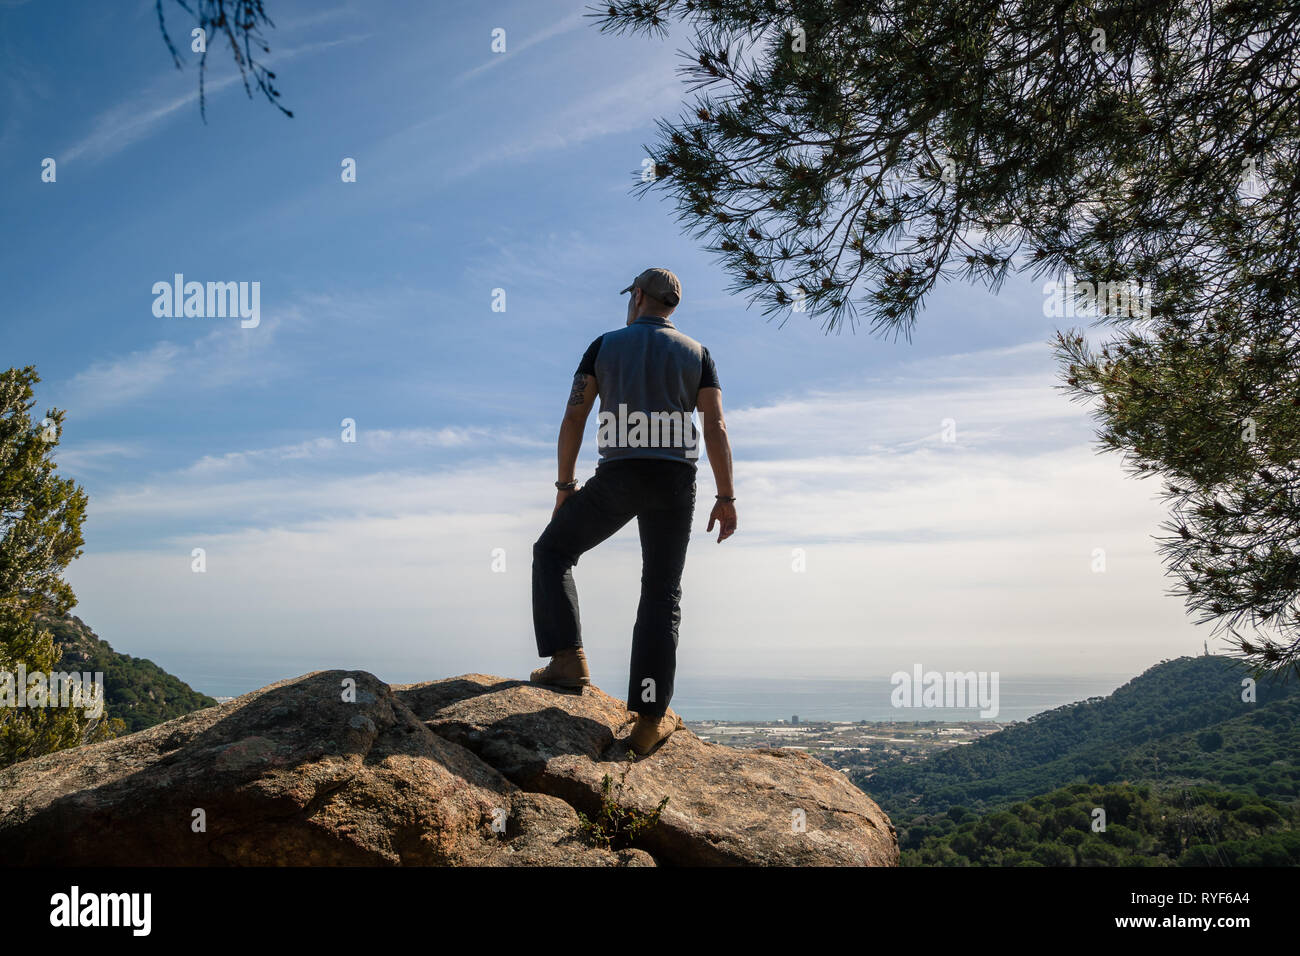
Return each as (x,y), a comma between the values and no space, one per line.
(708,698)
(738,699)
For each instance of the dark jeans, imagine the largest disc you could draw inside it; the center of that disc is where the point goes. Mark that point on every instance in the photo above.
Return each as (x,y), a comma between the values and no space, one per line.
(660,494)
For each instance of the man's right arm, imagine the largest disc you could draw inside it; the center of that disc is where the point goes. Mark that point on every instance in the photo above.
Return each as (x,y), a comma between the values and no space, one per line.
(718,447)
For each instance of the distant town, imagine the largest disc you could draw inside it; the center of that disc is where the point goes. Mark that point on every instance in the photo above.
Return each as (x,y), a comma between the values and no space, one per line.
(841,744)
(847,744)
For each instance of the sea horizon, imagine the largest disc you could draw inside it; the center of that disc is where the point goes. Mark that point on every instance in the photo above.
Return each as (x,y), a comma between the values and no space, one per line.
(739,698)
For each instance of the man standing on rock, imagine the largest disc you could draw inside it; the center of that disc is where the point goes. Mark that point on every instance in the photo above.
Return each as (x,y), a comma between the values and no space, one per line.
(650,379)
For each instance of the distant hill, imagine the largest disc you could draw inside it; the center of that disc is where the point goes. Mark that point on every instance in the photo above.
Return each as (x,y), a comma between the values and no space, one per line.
(1187,773)
(1144,826)
(137,691)
(1181,720)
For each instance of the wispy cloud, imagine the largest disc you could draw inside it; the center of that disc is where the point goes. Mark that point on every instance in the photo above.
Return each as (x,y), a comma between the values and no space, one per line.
(566,24)
(224,356)
(94,456)
(830,465)
(618,108)
(121,380)
(139,117)
(376,445)
(542,262)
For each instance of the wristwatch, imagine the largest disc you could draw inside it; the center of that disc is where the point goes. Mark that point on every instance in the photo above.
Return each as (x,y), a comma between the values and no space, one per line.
(566,485)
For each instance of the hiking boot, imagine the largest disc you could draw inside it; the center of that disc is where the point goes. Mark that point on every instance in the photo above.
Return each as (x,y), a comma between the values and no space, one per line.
(649,732)
(567,669)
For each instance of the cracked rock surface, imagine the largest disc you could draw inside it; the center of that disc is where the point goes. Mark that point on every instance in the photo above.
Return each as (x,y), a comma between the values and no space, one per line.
(339,768)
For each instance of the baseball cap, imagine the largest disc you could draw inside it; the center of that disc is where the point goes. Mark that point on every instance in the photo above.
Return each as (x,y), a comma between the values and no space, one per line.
(658,284)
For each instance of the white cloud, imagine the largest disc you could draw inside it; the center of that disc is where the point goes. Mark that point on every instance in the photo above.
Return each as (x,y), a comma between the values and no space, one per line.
(372,446)
(567,24)
(74,456)
(113,381)
(618,108)
(225,355)
(140,116)
(976,556)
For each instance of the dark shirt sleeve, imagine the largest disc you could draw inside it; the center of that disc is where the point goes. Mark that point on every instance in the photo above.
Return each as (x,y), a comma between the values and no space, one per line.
(709,374)
(588,364)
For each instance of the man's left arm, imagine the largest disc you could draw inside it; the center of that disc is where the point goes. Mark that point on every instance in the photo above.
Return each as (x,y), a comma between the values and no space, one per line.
(582,396)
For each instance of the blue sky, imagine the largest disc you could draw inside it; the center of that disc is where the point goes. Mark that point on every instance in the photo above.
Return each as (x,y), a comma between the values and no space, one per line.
(478,171)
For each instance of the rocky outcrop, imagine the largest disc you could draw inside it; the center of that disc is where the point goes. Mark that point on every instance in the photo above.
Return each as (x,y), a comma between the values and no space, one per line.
(779,807)
(338,768)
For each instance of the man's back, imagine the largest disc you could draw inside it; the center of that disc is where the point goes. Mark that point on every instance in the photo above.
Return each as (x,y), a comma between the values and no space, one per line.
(649,373)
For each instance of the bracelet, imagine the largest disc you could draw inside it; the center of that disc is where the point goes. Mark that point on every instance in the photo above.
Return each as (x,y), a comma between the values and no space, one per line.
(724,498)
(567,485)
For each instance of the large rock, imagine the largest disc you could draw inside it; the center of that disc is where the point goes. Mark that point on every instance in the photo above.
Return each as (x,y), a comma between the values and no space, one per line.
(725,806)
(290,774)
(471,771)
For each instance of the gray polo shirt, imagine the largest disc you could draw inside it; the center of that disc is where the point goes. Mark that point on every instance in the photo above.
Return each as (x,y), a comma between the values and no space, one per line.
(648,375)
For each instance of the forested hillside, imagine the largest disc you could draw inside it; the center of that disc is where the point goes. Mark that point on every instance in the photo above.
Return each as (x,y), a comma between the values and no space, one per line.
(1183,720)
(1182,769)
(137,691)
(1144,826)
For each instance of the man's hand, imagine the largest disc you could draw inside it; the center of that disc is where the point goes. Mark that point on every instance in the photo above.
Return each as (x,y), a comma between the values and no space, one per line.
(724,512)
(716,443)
(561,497)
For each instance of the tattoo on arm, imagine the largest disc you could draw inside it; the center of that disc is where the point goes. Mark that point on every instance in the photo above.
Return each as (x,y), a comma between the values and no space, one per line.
(579,387)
